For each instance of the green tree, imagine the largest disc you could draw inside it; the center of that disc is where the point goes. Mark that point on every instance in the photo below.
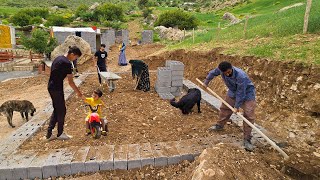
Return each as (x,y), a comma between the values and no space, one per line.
(21,19)
(39,42)
(109,12)
(81,9)
(178,18)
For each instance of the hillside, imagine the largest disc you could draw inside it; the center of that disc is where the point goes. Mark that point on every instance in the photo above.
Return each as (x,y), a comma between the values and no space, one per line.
(270,33)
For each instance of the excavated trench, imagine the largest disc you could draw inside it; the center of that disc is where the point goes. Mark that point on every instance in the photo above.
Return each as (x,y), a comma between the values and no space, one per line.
(288,97)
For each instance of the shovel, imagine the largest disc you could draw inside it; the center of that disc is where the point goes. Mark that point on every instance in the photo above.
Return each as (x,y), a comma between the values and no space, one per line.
(272,143)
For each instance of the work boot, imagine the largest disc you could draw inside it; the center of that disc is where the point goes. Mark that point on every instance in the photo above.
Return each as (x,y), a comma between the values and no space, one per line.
(247,145)
(216,127)
(64,136)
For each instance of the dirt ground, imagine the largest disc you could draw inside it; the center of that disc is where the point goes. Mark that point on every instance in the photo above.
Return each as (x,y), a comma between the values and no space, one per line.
(288,96)
(134,117)
(33,89)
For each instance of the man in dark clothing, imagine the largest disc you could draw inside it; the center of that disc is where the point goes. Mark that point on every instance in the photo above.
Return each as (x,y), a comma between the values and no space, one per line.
(187,102)
(100,60)
(61,68)
(241,94)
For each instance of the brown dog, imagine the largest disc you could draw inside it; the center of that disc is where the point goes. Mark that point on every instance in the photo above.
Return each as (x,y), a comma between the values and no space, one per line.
(24,107)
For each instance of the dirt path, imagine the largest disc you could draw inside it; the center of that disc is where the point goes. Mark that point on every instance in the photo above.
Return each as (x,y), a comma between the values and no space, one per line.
(33,89)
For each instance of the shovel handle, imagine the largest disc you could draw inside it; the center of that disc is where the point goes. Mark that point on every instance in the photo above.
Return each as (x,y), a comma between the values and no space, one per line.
(274,145)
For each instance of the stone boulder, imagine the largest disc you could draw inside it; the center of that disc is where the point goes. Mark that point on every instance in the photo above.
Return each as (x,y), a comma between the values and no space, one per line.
(231,17)
(170,33)
(73,40)
(94,6)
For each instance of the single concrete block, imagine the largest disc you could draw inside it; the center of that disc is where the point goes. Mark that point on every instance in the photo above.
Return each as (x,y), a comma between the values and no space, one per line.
(163,79)
(172,152)
(160,156)
(91,161)
(164,71)
(146,154)
(20,166)
(163,84)
(104,156)
(177,83)
(134,160)
(35,168)
(49,168)
(78,161)
(6,173)
(176,89)
(162,89)
(175,65)
(166,96)
(177,73)
(147,36)
(64,163)
(120,157)
(174,78)
(185,151)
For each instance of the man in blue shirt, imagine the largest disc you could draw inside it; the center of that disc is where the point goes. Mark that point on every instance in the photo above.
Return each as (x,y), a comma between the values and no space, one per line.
(241,94)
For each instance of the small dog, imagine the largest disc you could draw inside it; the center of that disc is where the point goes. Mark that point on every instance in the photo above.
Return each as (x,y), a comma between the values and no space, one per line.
(24,107)
(187,102)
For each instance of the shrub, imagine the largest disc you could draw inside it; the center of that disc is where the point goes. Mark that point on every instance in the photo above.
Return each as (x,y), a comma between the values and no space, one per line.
(143,4)
(61,5)
(113,24)
(109,12)
(34,12)
(81,10)
(57,20)
(24,16)
(36,20)
(146,12)
(177,18)
(20,19)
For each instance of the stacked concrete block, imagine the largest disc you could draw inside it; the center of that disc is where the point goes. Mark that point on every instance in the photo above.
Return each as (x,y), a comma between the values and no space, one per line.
(177,69)
(147,36)
(163,84)
(170,79)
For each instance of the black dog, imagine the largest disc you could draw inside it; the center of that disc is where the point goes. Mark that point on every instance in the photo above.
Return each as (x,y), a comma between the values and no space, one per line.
(187,102)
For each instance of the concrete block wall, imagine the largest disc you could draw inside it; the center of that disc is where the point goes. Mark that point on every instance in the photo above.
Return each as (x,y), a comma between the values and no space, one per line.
(108,38)
(6,66)
(91,38)
(61,36)
(23,68)
(125,36)
(170,79)
(122,36)
(147,36)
